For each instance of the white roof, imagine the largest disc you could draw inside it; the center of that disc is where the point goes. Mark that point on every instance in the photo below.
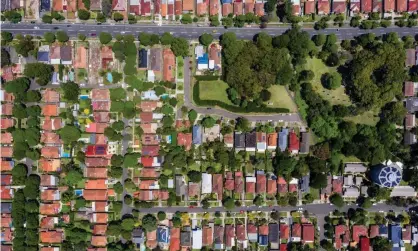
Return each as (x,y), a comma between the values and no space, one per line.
(199,51)
(351,192)
(206,183)
(295,2)
(134,2)
(211,64)
(355,168)
(202,66)
(250,179)
(1,95)
(197,239)
(294,181)
(404,191)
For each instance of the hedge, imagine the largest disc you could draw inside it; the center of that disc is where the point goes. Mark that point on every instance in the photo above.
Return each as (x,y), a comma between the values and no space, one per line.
(237,109)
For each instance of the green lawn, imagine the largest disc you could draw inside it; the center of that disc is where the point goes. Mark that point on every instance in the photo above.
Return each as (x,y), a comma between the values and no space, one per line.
(214,90)
(180,64)
(335,97)
(281,99)
(370,117)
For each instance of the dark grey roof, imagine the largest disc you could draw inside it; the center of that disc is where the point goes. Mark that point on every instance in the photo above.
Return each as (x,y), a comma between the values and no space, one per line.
(219,234)
(5,5)
(239,140)
(251,139)
(185,238)
(45,5)
(274,233)
(143,58)
(6,207)
(412,105)
(66,53)
(155,59)
(305,143)
(409,138)
(14,58)
(137,232)
(180,185)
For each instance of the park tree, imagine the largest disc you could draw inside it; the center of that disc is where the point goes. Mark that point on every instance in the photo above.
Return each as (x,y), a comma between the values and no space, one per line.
(101,18)
(331,80)
(131,159)
(258,200)
(394,112)
(114,228)
(105,37)
(206,39)
(319,39)
(337,200)
(149,222)
(69,134)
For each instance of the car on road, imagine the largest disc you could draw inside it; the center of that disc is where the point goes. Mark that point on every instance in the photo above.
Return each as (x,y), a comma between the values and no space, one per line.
(93,34)
(56,28)
(68,25)
(209,108)
(214,31)
(36,28)
(32,22)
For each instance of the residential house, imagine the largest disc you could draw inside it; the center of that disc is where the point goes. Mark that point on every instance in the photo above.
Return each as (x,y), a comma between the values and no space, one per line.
(412,105)
(389,5)
(239,141)
(296,11)
(293,143)
(274,237)
(241,235)
(134,7)
(261,182)
(145,7)
(261,141)
(296,232)
(272,141)
(250,182)
(213,7)
(410,89)
(309,7)
(263,234)
(304,183)
(226,8)
(239,183)
(229,182)
(358,231)
(323,7)
(217,185)
(282,187)
(272,186)
(186,237)
(308,233)
(207,236)
(188,6)
(238,8)
(163,236)
(215,56)
(151,239)
(283,139)
(202,7)
(305,143)
(155,59)
(252,232)
(175,239)
(206,183)
(249,6)
(169,61)
(51,236)
(197,135)
(219,237)
(197,238)
(355,7)
(184,139)
(229,236)
(354,168)
(259,8)
(181,185)
(250,141)
(401,6)
(410,57)
(412,5)
(284,231)
(377,6)
(142,56)
(341,236)
(338,7)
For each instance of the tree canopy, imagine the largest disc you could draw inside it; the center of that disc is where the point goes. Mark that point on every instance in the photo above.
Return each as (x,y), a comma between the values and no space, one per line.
(69,134)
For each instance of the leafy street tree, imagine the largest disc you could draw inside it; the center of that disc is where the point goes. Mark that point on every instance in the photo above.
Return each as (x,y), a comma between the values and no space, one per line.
(192,115)
(47,19)
(228,203)
(83,14)
(331,80)
(19,111)
(25,45)
(206,39)
(6,37)
(166,38)
(49,37)
(118,188)
(242,124)
(208,122)
(33,96)
(62,36)
(161,216)
(149,222)
(19,173)
(81,37)
(117,17)
(180,47)
(71,91)
(116,172)
(105,37)
(337,200)
(69,134)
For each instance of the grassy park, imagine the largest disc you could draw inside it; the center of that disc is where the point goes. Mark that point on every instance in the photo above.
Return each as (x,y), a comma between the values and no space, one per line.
(214,90)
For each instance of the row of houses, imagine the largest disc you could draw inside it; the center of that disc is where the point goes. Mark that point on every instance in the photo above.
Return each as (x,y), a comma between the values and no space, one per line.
(360,235)
(324,7)
(159,64)
(209,59)
(226,236)
(411,103)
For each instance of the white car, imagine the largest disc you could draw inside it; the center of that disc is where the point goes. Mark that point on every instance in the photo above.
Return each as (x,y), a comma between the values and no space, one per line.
(36,28)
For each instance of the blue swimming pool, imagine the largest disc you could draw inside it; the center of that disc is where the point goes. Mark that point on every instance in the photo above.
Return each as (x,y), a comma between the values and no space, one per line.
(84,97)
(65,155)
(109,77)
(78,192)
(164,96)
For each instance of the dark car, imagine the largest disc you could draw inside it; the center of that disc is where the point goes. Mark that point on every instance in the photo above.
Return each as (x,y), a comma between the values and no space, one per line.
(56,28)
(93,34)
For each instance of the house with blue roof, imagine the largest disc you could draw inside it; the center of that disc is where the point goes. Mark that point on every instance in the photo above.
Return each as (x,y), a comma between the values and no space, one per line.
(203,62)
(163,234)
(45,5)
(283,139)
(43,56)
(143,58)
(395,235)
(383,230)
(226,1)
(197,135)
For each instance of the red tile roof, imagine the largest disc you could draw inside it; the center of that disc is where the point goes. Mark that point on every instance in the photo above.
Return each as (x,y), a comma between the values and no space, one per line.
(389,5)
(6,138)
(364,244)
(213,7)
(250,187)
(217,185)
(7,109)
(308,231)
(241,232)
(98,241)
(51,124)
(406,233)
(207,236)
(50,152)
(323,7)
(99,229)
(251,228)
(50,209)
(374,231)
(409,89)
(261,183)
(48,222)
(96,184)
(6,123)
(95,195)
(238,8)
(366,6)
(309,7)
(50,138)
(412,5)
(51,236)
(6,165)
(401,5)
(202,9)
(338,7)
(342,236)
(239,182)
(6,151)
(178,7)
(169,63)
(296,230)
(226,9)
(271,187)
(359,230)
(283,247)
(51,96)
(249,8)
(145,8)
(146,117)
(293,142)
(377,6)
(49,165)
(96,172)
(150,150)
(184,139)
(263,230)
(5,193)
(230,235)
(50,110)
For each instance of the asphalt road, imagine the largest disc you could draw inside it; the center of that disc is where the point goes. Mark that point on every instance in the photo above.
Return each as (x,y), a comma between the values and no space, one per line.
(290,117)
(186,31)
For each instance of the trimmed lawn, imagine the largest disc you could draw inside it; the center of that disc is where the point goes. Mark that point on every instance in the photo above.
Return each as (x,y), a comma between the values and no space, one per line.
(370,117)
(281,99)
(335,97)
(180,64)
(214,90)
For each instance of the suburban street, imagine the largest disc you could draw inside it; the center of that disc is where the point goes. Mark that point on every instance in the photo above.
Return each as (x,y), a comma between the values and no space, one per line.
(185,31)
(291,117)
